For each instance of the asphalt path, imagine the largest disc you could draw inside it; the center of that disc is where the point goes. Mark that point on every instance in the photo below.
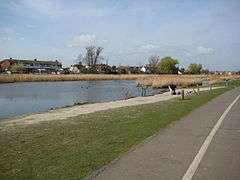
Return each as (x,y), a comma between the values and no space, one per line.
(203,145)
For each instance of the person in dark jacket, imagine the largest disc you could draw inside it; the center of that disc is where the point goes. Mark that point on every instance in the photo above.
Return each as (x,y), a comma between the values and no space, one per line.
(172,88)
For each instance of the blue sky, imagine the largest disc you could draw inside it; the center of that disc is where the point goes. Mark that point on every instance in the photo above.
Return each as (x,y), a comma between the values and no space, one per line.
(204,31)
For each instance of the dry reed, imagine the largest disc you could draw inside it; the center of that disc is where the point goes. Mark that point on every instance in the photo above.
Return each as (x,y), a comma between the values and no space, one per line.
(4,78)
(159,81)
(155,81)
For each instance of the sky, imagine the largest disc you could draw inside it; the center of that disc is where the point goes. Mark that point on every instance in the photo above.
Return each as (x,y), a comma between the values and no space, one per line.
(130,31)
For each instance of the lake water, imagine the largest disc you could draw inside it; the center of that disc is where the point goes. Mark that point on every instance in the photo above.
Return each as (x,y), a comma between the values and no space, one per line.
(29,97)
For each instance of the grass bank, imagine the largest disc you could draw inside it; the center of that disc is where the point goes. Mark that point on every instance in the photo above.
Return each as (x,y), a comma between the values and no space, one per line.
(73,148)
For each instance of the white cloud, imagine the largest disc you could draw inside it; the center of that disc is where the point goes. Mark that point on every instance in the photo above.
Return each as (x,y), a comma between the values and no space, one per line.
(53,8)
(30,26)
(187,53)
(42,6)
(83,40)
(85,12)
(149,47)
(200,50)
(6,38)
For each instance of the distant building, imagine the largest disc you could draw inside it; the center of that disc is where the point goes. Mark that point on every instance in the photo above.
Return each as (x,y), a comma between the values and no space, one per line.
(129,70)
(180,73)
(74,70)
(103,68)
(224,72)
(143,69)
(32,66)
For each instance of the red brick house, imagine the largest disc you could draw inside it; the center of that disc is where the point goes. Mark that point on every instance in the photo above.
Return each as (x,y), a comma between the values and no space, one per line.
(31,66)
(5,64)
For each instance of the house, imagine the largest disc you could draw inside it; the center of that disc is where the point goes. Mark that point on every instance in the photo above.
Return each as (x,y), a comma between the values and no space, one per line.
(103,68)
(123,70)
(129,70)
(32,66)
(143,69)
(77,68)
(180,73)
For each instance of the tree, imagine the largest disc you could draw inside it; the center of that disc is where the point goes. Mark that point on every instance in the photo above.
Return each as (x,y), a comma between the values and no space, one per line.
(194,68)
(168,65)
(153,64)
(205,71)
(79,59)
(17,68)
(92,56)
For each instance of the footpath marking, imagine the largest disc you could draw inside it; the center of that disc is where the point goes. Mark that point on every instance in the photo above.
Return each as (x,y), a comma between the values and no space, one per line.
(195,163)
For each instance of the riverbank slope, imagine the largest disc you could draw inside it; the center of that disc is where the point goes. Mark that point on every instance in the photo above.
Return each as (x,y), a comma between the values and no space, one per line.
(74,147)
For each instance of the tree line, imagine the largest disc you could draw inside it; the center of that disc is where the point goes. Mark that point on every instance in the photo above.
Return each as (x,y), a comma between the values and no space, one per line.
(168,65)
(156,65)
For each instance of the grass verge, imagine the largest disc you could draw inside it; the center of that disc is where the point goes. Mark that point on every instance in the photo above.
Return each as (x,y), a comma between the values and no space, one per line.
(73,148)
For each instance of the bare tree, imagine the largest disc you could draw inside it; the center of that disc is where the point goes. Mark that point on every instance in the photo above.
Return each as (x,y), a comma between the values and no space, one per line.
(79,59)
(97,55)
(92,56)
(153,63)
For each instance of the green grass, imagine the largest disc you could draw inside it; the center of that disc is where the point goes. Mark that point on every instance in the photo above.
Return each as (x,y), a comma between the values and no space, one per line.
(231,83)
(73,148)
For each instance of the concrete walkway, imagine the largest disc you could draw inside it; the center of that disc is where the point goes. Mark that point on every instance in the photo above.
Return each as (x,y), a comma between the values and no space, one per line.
(64,113)
(169,154)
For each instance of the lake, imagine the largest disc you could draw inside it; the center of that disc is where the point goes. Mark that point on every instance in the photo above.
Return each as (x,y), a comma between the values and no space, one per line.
(29,97)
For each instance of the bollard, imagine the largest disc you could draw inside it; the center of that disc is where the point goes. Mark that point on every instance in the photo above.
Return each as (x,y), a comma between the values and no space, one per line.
(141,86)
(182,94)
(226,83)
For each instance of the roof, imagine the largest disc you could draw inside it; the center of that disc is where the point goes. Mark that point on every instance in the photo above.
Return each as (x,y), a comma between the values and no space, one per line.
(33,61)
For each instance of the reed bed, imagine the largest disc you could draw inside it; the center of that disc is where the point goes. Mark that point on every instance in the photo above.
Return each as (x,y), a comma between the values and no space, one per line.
(216,78)
(4,78)
(156,81)
(160,81)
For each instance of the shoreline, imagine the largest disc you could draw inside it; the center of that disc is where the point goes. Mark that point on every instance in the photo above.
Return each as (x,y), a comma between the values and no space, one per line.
(68,112)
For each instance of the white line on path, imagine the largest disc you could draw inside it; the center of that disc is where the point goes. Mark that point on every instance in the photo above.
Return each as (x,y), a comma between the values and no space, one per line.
(195,163)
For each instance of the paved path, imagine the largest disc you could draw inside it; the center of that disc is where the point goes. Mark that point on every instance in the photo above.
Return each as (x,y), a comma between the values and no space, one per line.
(169,154)
(64,113)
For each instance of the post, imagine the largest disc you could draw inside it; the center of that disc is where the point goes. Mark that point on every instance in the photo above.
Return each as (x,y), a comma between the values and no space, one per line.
(198,90)
(226,82)
(210,87)
(182,94)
